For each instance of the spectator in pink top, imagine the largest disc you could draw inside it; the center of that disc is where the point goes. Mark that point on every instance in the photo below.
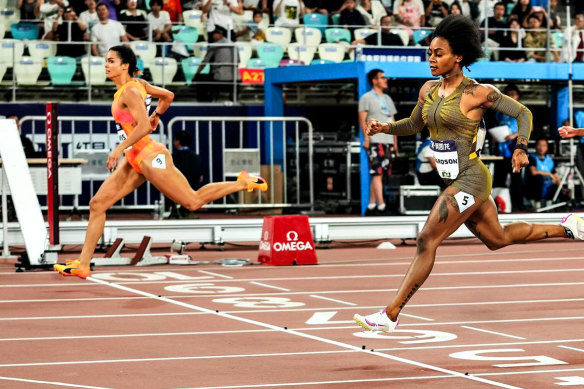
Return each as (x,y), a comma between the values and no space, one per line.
(409,14)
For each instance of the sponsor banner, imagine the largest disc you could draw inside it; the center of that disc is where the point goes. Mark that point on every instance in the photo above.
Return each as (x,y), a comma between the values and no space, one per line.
(287,240)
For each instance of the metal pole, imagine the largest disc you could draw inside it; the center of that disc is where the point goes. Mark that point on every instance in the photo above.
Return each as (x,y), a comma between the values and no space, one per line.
(5,248)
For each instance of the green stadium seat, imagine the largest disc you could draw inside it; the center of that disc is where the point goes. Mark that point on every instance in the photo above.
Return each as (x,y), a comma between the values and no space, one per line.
(61,69)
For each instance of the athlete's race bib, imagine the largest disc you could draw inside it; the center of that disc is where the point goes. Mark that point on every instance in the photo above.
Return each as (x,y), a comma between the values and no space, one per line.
(121,134)
(446,158)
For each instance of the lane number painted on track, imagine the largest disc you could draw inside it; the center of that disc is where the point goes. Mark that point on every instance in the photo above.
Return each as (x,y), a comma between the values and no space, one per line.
(536,360)
(419,336)
(259,302)
(155,276)
(203,288)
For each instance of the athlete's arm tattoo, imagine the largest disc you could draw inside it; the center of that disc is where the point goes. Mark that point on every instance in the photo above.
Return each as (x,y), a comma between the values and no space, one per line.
(470,89)
(493,96)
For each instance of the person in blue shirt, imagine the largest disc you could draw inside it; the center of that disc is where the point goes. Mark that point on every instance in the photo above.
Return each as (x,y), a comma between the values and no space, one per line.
(542,180)
(505,149)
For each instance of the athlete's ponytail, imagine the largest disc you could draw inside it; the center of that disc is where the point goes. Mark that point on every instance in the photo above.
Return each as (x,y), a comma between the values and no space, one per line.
(127,55)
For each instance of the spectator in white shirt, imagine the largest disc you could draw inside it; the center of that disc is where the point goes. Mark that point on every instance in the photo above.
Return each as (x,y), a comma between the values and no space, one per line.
(288,12)
(159,22)
(89,17)
(220,13)
(49,12)
(106,33)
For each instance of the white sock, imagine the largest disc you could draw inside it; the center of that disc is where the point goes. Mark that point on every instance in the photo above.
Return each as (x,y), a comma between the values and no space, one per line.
(381,207)
(371,207)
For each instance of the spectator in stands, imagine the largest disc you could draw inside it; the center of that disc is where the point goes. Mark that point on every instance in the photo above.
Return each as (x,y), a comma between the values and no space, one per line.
(111,7)
(469,8)
(375,104)
(522,10)
(490,8)
(512,41)
(249,5)
(503,168)
(351,18)
(252,32)
(497,26)
(536,42)
(220,14)
(159,22)
(48,12)
(555,19)
(542,181)
(29,9)
(69,28)
(89,17)
(174,9)
(223,58)
(187,161)
(575,51)
(106,33)
(372,11)
(426,164)
(135,21)
(455,8)
(335,7)
(288,12)
(436,10)
(409,14)
(315,6)
(387,37)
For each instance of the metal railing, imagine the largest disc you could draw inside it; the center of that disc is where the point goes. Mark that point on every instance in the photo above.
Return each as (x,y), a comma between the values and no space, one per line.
(256,134)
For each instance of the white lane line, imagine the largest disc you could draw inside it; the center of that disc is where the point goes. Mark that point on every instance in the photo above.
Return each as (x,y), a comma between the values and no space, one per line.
(309,278)
(572,348)
(304,335)
(416,316)
(72,299)
(493,332)
(371,380)
(333,300)
(50,383)
(213,274)
(269,286)
(377,291)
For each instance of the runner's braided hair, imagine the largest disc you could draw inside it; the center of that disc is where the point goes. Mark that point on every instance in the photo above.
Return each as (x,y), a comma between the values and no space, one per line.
(463,37)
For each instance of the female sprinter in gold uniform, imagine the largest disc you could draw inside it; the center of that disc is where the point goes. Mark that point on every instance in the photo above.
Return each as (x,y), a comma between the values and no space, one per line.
(146,160)
(452,108)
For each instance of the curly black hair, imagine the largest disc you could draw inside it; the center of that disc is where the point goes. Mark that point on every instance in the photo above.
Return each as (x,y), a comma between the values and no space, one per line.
(463,37)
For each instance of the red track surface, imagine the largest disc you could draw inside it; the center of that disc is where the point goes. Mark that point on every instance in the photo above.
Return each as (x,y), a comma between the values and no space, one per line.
(511,318)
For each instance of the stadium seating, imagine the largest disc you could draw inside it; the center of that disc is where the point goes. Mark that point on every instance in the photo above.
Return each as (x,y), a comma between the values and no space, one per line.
(420,35)
(279,35)
(3,68)
(193,18)
(189,67)
(61,69)
(10,51)
(245,52)
(255,63)
(185,34)
(334,35)
(321,61)
(403,34)
(27,70)
(9,16)
(163,70)
(271,54)
(558,38)
(94,70)
(22,31)
(316,20)
(301,52)
(145,50)
(336,19)
(332,51)
(362,33)
(240,21)
(200,49)
(308,35)
(2,30)
(42,49)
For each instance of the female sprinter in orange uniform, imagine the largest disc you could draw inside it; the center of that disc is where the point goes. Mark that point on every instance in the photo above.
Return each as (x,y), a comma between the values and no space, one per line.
(145,158)
(452,108)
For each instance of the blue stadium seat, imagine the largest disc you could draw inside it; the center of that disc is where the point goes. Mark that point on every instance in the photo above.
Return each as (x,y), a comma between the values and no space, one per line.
(321,61)
(420,35)
(189,67)
(24,31)
(186,34)
(271,54)
(61,69)
(335,35)
(316,20)
(255,63)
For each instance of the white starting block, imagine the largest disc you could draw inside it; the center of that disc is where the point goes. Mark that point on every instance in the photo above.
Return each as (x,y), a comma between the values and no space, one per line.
(143,256)
(181,259)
